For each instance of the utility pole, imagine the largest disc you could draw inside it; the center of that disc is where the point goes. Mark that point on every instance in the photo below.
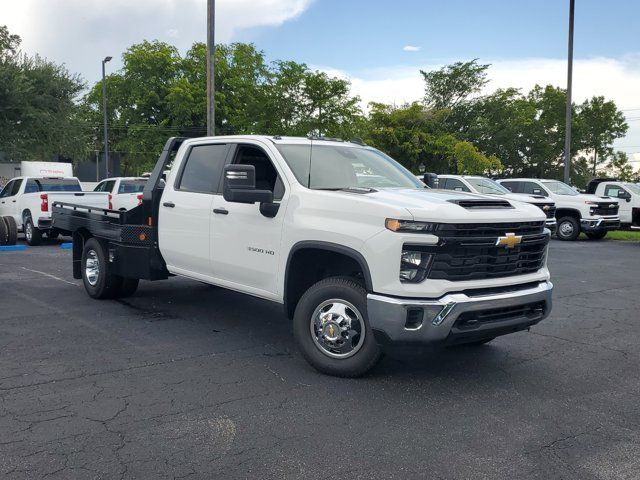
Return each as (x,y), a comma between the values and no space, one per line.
(211,56)
(567,138)
(104,110)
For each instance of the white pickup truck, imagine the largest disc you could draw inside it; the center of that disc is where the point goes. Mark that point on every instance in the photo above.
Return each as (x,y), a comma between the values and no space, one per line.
(486,186)
(295,220)
(124,193)
(575,212)
(627,194)
(28,200)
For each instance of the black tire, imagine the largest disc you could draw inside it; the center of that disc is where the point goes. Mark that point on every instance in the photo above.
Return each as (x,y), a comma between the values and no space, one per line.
(363,356)
(104,285)
(32,234)
(12,228)
(596,235)
(4,233)
(127,287)
(568,228)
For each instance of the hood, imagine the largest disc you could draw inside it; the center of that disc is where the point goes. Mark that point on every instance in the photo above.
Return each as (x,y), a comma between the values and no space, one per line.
(586,197)
(523,197)
(440,206)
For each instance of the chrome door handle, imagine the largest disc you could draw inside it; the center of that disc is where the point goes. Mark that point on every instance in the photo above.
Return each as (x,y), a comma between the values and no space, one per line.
(221,211)
(169,204)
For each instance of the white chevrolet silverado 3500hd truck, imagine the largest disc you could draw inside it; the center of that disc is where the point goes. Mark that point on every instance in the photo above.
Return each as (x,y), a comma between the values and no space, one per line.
(576,212)
(294,221)
(627,194)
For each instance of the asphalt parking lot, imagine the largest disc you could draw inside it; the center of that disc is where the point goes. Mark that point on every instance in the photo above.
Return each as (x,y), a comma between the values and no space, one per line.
(184,380)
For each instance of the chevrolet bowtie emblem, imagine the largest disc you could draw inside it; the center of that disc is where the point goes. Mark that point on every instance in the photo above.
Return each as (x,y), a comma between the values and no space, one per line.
(546,208)
(510,240)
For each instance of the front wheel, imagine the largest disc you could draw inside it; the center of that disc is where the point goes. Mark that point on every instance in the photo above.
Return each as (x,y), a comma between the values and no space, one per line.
(568,228)
(596,235)
(332,331)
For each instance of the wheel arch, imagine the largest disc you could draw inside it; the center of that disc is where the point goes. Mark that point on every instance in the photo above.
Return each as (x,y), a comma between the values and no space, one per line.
(568,212)
(312,261)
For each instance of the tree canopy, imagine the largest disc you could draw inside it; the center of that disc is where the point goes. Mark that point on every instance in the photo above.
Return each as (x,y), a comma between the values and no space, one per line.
(459,126)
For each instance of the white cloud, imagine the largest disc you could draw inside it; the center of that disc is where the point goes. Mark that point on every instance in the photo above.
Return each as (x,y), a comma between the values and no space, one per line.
(411,48)
(81,32)
(614,78)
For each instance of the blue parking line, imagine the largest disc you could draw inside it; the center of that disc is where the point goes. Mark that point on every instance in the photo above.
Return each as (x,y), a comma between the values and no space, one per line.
(67,245)
(12,248)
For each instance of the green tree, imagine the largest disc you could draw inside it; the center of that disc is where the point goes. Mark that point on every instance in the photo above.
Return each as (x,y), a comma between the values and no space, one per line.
(39,116)
(618,166)
(601,123)
(414,135)
(451,85)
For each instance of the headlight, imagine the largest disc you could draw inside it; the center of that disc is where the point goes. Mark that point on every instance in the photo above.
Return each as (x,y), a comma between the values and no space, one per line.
(410,226)
(414,266)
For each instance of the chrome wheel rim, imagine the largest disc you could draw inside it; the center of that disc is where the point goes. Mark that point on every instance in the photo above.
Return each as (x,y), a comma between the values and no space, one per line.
(28,231)
(566,228)
(337,328)
(92,268)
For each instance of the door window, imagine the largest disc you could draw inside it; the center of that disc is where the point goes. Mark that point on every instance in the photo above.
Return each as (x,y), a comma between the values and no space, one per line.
(267,177)
(457,185)
(6,191)
(614,191)
(100,187)
(513,187)
(202,169)
(16,187)
(108,186)
(533,188)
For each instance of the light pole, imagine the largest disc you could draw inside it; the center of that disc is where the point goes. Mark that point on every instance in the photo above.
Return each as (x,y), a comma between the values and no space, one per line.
(567,138)
(104,110)
(211,55)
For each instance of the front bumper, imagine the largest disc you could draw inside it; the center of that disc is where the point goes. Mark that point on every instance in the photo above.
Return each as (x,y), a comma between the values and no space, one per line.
(599,224)
(457,317)
(552,225)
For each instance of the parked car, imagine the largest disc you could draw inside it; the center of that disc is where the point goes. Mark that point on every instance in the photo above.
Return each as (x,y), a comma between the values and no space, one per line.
(357,267)
(28,200)
(627,194)
(486,186)
(125,193)
(575,212)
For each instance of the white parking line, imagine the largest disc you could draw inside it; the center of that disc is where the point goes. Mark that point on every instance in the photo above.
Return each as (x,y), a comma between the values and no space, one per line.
(50,276)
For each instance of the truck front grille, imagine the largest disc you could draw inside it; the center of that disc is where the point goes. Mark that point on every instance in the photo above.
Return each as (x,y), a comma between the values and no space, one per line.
(549,209)
(609,208)
(474,252)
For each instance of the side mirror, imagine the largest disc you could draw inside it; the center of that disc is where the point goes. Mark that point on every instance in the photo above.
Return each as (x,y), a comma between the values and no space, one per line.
(430,179)
(239,185)
(624,195)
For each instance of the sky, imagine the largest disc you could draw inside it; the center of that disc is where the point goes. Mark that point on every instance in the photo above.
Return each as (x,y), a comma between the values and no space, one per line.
(380,46)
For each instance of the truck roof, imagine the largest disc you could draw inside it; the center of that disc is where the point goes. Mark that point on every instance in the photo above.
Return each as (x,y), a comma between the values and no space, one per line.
(280,140)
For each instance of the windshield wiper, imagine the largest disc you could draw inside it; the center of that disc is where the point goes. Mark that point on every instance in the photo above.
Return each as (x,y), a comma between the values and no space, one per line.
(349,189)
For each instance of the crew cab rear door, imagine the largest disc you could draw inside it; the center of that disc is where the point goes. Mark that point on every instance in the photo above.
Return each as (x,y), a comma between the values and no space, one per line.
(184,222)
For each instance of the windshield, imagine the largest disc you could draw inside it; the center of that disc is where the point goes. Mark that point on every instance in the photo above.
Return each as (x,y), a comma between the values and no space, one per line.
(486,185)
(559,188)
(131,186)
(336,167)
(633,187)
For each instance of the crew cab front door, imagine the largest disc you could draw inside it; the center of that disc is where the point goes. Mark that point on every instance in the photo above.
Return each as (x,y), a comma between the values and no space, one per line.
(245,243)
(184,222)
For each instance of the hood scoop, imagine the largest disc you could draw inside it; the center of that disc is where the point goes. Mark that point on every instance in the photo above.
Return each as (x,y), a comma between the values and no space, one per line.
(482,204)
